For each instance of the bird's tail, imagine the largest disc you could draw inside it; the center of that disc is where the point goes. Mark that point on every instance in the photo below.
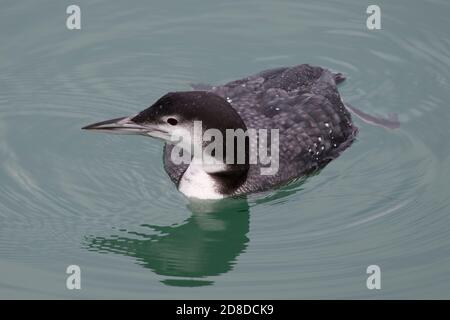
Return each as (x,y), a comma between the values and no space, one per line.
(388,123)
(338,77)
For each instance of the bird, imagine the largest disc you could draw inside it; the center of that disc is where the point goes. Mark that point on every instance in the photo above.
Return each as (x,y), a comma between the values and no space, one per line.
(301,102)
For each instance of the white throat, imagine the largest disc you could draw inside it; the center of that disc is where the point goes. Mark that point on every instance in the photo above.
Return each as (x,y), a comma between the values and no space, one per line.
(197,183)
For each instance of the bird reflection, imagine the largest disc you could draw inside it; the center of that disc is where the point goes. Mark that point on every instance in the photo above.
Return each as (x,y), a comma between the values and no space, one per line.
(206,244)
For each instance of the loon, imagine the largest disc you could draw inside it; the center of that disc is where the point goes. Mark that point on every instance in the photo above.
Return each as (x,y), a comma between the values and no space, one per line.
(301,101)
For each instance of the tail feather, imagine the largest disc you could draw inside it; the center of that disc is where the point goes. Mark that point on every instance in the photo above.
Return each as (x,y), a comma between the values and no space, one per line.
(338,78)
(388,123)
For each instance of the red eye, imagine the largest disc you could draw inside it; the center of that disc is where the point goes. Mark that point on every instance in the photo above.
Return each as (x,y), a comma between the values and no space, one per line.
(172,121)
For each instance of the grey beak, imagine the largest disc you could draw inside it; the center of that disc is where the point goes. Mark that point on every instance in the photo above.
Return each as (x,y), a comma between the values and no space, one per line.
(126,125)
(119,125)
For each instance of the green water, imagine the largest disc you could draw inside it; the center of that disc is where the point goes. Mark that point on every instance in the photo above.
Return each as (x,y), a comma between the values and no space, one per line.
(105,204)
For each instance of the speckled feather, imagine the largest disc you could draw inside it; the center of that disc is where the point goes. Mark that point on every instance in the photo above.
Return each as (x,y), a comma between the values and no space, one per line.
(304,104)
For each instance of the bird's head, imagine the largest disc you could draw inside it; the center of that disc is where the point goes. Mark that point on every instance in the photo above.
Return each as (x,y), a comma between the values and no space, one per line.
(176,116)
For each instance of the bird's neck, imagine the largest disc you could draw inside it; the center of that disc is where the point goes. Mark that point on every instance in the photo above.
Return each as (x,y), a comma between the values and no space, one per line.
(206,181)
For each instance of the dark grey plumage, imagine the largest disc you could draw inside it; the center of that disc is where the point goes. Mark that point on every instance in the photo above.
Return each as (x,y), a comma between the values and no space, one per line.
(304,104)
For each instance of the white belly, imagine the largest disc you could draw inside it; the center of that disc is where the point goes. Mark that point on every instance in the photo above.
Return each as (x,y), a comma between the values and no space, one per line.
(196,183)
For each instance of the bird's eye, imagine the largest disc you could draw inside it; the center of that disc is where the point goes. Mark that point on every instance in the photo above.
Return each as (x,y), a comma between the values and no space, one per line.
(172,121)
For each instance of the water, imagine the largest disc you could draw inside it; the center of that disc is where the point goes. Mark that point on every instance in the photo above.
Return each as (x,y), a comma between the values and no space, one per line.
(104,202)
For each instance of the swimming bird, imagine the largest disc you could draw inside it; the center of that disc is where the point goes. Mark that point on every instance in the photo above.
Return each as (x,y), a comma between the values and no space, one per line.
(302,102)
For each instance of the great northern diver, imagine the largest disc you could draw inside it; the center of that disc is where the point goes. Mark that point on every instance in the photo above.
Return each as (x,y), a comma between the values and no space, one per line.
(302,102)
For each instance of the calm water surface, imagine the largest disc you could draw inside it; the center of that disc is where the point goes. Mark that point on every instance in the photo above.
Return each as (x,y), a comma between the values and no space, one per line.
(104,202)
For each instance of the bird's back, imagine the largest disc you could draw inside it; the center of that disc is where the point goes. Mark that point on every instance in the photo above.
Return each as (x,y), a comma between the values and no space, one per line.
(303,103)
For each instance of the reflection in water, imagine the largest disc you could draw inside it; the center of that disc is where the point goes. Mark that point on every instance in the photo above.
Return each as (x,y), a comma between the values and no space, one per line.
(206,244)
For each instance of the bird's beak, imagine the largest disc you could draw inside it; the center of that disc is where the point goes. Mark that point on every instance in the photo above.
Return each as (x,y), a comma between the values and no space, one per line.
(126,125)
(119,125)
